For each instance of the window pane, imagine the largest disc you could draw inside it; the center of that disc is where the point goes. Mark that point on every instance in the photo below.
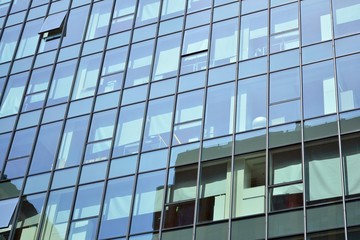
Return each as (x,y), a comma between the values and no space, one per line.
(73,139)
(22,143)
(75,30)
(323,170)
(123,15)
(99,20)
(167,56)
(251,105)
(29,216)
(219,111)
(8,42)
(147,12)
(196,40)
(116,210)
(7,208)
(172,8)
(188,117)
(87,76)
(315,21)
(61,82)
(129,130)
(348,70)
(29,39)
(12,97)
(181,192)
(224,42)
(249,183)
(351,156)
(158,124)
(85,229)
(148,202)
(88,201)
(195,5)
(253,35)
(139,64)
(319,89)
(284,28)
(45,149)
(214,190)
(57,214)
(346,17)
(102,125)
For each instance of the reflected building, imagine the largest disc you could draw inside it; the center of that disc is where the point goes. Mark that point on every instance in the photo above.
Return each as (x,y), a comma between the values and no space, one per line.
(180,119)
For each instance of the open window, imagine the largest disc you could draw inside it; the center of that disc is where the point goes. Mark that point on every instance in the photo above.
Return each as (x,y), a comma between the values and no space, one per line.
(53,26)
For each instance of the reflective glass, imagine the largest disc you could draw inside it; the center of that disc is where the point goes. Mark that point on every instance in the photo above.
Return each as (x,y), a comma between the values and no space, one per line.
(61,82)
(253,34)
(315,21)
(163,88)
(29,39)
(84,229)
(22,143)
(72,141)
(123,166)
(196,40)
(8,42)
(99,20)
(188,115)
(45,148)
(181,192)
(57,214)
(351,155)
(65,178)
(216,148)
(212,232)
(251,104)
(184,154)
(102,125)
(219,114)
(148,201)
(11,100)
(214,199)
(284,28)
(139,64)
(195,5)
(322,170)
(226,11)
(249,183)
(86,77)
(123,15)
(37,183)
(75,30)
(129,130)
(7,210)
(284,224)
(346,19)
(153,160)
(29,216)
(167,57)
(224,40)
(198,19)
(93,172)
(116,210)
(147,12)
(319,89)
(16,168)
(88,200)
(158,124)
(172,8)
(348,70)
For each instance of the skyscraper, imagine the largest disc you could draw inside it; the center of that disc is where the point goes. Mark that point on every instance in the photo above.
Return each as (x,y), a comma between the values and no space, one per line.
(180,119)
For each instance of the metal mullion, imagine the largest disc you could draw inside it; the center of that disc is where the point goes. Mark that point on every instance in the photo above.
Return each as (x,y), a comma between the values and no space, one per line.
(106,180)
(206,87)
(267,201)
(303,163)
(165,204)
(233,152)
(342,164)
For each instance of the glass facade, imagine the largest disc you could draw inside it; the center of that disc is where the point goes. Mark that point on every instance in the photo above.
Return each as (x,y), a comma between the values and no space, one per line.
(180,119)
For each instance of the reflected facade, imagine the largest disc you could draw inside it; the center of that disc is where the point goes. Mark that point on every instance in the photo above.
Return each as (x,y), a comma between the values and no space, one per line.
(179,119)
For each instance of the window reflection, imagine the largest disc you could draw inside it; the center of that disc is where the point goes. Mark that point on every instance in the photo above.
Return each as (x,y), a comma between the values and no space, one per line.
(253,35)
(116,210)
(158,124)
(284,28)
(249,182)
(129,130)
(147,12)
(148,202)
(214,190)
(346,17)
(99,20)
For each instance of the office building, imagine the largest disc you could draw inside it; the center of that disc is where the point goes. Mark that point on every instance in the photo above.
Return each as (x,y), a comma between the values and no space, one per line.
(180,119)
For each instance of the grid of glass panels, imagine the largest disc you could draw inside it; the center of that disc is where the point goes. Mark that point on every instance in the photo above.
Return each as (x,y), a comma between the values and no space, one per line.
(179,119)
